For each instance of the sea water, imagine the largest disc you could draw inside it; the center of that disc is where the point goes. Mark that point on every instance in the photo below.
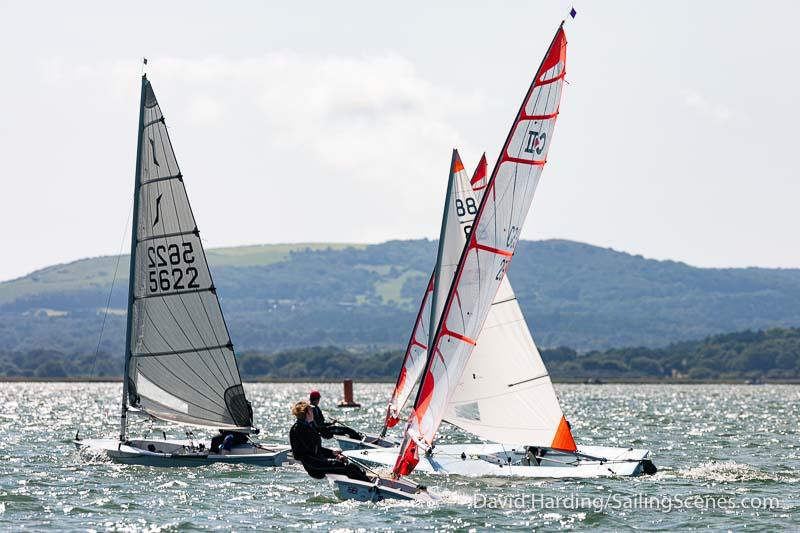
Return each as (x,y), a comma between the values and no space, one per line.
(728,458)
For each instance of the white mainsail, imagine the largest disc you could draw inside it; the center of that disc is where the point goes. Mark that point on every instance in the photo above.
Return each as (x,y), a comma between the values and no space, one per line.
(180,365)
(486,255)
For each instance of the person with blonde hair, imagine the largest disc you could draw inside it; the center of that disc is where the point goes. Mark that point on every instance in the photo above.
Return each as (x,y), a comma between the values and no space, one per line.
(307,448)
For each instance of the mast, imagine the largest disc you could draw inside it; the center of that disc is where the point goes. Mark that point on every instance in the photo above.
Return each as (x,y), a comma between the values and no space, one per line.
(437,274)
(132,271)
(437,269)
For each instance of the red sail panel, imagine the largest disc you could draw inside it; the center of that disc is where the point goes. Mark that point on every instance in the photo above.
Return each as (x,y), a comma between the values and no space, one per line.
(480,177)
(488,251)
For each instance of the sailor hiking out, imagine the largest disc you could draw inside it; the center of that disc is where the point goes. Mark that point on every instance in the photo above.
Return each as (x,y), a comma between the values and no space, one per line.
(307,448)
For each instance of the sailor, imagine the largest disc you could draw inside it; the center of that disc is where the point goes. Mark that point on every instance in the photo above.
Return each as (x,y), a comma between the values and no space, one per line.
(328,429)
(227,440)
(307,448)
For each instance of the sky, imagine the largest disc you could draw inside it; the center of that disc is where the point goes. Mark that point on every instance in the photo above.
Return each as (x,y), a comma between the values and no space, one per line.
(335,121)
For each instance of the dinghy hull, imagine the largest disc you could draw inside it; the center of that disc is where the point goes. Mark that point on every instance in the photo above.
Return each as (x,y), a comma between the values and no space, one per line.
(178,453)
(369,442)
(378,489)
(497,460)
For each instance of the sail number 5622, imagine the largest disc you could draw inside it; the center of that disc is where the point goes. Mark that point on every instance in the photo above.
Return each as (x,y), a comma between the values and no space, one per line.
(166,267)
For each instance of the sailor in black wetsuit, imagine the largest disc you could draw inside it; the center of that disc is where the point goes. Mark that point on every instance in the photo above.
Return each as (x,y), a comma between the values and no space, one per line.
(307,448)
(328,429)
(236,439)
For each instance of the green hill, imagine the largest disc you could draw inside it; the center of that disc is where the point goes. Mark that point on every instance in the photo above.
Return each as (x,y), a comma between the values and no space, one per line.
(364,297)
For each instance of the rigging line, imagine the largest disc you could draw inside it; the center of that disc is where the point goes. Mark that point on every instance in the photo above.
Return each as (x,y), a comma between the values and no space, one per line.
(183,241)
(110,293)
(235,378)
(147,313)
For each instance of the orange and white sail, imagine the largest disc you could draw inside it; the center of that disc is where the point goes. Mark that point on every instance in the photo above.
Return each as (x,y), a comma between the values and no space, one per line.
(457,223)
(487,253)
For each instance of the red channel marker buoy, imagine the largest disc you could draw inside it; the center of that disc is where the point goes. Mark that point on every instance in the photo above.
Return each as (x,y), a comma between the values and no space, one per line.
(348,395)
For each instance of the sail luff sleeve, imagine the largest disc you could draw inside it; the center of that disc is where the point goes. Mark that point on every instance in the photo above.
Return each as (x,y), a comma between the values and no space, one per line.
(132,268)
(488,251)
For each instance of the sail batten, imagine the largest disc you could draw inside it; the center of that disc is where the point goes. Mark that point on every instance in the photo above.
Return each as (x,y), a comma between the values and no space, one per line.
(181,363)
(485,257)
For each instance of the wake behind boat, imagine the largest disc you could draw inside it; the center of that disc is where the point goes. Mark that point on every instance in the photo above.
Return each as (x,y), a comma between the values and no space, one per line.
(180,365)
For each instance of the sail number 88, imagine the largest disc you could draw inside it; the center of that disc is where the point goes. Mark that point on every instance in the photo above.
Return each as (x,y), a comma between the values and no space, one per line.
(166,270)
(462,208)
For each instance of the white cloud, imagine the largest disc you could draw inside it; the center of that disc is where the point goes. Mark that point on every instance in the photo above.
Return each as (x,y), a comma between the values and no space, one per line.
(354,115)
(697,101)
(204,109)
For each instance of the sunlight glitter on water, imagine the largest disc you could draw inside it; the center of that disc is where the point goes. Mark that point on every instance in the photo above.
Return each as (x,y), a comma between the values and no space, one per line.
(712,440)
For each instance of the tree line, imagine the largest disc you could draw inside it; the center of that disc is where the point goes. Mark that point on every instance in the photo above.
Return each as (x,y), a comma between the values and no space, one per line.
(765,354)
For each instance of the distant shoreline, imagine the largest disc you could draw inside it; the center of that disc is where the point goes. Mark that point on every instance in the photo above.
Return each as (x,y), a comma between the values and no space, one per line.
(616,381)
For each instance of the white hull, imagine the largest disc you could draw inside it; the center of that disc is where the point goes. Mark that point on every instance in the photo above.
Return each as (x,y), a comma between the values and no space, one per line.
(497,460)
(378,489)
(174,453)
(369,442)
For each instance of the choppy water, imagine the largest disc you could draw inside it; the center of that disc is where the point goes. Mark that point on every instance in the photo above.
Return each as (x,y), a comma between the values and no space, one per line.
(728,446)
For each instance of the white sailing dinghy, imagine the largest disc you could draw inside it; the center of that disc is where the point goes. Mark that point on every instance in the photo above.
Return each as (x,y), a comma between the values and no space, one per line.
(180,365)
(505,369)
(498,398)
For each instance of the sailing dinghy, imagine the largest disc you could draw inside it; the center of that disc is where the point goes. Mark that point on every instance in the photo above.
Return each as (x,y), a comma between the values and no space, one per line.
(512,402)
(505,369)
(180,365)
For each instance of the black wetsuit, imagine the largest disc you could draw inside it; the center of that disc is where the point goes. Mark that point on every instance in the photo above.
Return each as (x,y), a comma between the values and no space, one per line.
(238,438)
(316,459)
(328,429)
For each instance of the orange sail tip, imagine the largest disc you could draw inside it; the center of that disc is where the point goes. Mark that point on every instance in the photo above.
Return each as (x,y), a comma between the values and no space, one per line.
(563,439)
(458,166)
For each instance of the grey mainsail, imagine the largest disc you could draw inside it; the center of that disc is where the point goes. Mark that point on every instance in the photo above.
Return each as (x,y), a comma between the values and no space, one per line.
(180,363)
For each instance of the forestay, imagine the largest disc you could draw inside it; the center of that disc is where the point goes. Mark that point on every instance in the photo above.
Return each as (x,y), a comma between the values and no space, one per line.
(487,252)
(181,363)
